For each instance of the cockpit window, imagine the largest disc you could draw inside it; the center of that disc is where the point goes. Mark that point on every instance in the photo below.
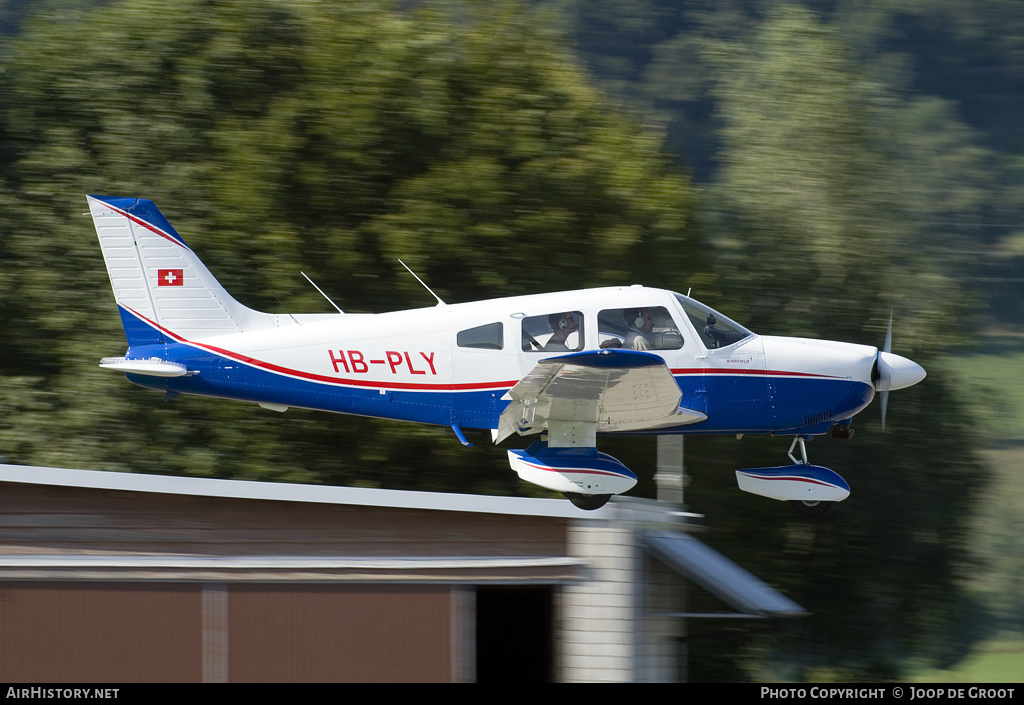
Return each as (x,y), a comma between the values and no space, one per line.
(485,337)
(714,329)
(643,328)
(561,331)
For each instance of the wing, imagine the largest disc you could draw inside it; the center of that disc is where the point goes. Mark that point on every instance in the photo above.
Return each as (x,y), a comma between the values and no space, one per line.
(575,396)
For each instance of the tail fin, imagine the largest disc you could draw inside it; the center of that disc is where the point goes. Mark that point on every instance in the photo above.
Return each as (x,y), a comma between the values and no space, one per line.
(161,287)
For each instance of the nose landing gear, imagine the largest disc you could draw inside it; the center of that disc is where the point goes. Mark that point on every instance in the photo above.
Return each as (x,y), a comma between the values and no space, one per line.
(810,490)
(801,441)
(808,509)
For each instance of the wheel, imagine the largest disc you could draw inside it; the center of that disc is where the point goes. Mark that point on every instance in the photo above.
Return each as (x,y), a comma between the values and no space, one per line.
(810,510)
(588,501)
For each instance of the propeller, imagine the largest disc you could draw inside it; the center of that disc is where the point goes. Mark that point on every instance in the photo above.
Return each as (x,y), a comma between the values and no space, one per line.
(893,371)
(881,369)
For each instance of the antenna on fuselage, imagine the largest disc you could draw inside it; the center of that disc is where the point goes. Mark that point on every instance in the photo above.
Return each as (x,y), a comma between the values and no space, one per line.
(439,301)
(281,304)
(322,292)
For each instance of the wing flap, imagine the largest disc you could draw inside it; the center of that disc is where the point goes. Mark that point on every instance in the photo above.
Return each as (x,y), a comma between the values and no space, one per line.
(615,390)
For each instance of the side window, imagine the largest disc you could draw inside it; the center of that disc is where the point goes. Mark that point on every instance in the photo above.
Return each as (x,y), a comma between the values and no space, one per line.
(643,328)
(553,332)
(486,337)
(714,329)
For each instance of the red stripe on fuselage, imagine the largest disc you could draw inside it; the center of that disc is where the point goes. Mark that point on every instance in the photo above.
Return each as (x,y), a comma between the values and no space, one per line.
(312,376)
(147,226)
(735,371)
(371,384)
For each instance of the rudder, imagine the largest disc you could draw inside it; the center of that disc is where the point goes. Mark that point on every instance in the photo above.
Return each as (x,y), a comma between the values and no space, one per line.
(161,287)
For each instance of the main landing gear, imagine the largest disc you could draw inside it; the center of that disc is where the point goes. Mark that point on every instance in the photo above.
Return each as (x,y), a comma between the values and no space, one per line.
(588,502)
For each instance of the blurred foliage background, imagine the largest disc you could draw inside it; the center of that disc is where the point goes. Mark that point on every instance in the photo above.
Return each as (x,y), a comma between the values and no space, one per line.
(805,168)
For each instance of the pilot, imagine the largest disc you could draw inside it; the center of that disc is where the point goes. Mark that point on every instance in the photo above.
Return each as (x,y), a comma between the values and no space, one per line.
(562,325)
(640,323)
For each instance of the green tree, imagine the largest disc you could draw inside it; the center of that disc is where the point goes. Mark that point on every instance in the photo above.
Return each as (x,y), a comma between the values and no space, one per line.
(330,137)
(813,238)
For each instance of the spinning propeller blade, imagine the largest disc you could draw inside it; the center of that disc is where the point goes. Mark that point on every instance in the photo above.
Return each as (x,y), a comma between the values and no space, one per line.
(883,397)
(893,371)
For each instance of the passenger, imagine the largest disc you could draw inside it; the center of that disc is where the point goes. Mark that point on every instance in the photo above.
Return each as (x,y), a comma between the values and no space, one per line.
(640,324)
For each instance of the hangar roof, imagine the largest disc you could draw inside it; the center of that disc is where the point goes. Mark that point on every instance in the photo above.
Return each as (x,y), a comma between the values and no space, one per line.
(289,492)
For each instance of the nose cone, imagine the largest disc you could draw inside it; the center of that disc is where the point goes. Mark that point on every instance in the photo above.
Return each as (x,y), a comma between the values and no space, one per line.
(896,372)
(820,358)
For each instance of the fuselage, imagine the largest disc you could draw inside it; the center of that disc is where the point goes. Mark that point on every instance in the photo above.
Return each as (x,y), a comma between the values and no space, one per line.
(452,365)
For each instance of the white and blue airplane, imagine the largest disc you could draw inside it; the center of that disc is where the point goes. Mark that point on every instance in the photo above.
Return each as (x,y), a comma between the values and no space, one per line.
(564,367)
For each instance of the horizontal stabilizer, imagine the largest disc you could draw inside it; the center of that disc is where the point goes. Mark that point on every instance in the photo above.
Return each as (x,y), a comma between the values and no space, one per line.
(154,367)
(800,482)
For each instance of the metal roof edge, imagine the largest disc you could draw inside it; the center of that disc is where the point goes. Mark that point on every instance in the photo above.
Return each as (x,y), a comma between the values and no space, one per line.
(50,560)
(291,492)
(720,576)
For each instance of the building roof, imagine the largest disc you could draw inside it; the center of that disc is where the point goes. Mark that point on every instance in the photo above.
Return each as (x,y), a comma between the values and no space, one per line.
(189,559)
(290,492)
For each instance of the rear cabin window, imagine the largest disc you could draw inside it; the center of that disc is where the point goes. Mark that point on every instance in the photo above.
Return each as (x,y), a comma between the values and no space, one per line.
(561,331)
(490,336)
(642,328)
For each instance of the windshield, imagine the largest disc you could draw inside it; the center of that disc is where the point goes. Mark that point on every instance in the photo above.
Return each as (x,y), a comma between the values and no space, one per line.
(714,329)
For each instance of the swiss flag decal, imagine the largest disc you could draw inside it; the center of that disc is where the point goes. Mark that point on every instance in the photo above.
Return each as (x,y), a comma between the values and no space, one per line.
(170,277)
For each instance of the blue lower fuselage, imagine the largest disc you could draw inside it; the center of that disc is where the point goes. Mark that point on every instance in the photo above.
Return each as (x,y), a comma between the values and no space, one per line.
(733,403)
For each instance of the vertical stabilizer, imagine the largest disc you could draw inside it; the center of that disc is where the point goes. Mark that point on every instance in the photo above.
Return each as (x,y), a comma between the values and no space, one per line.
(161,287)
